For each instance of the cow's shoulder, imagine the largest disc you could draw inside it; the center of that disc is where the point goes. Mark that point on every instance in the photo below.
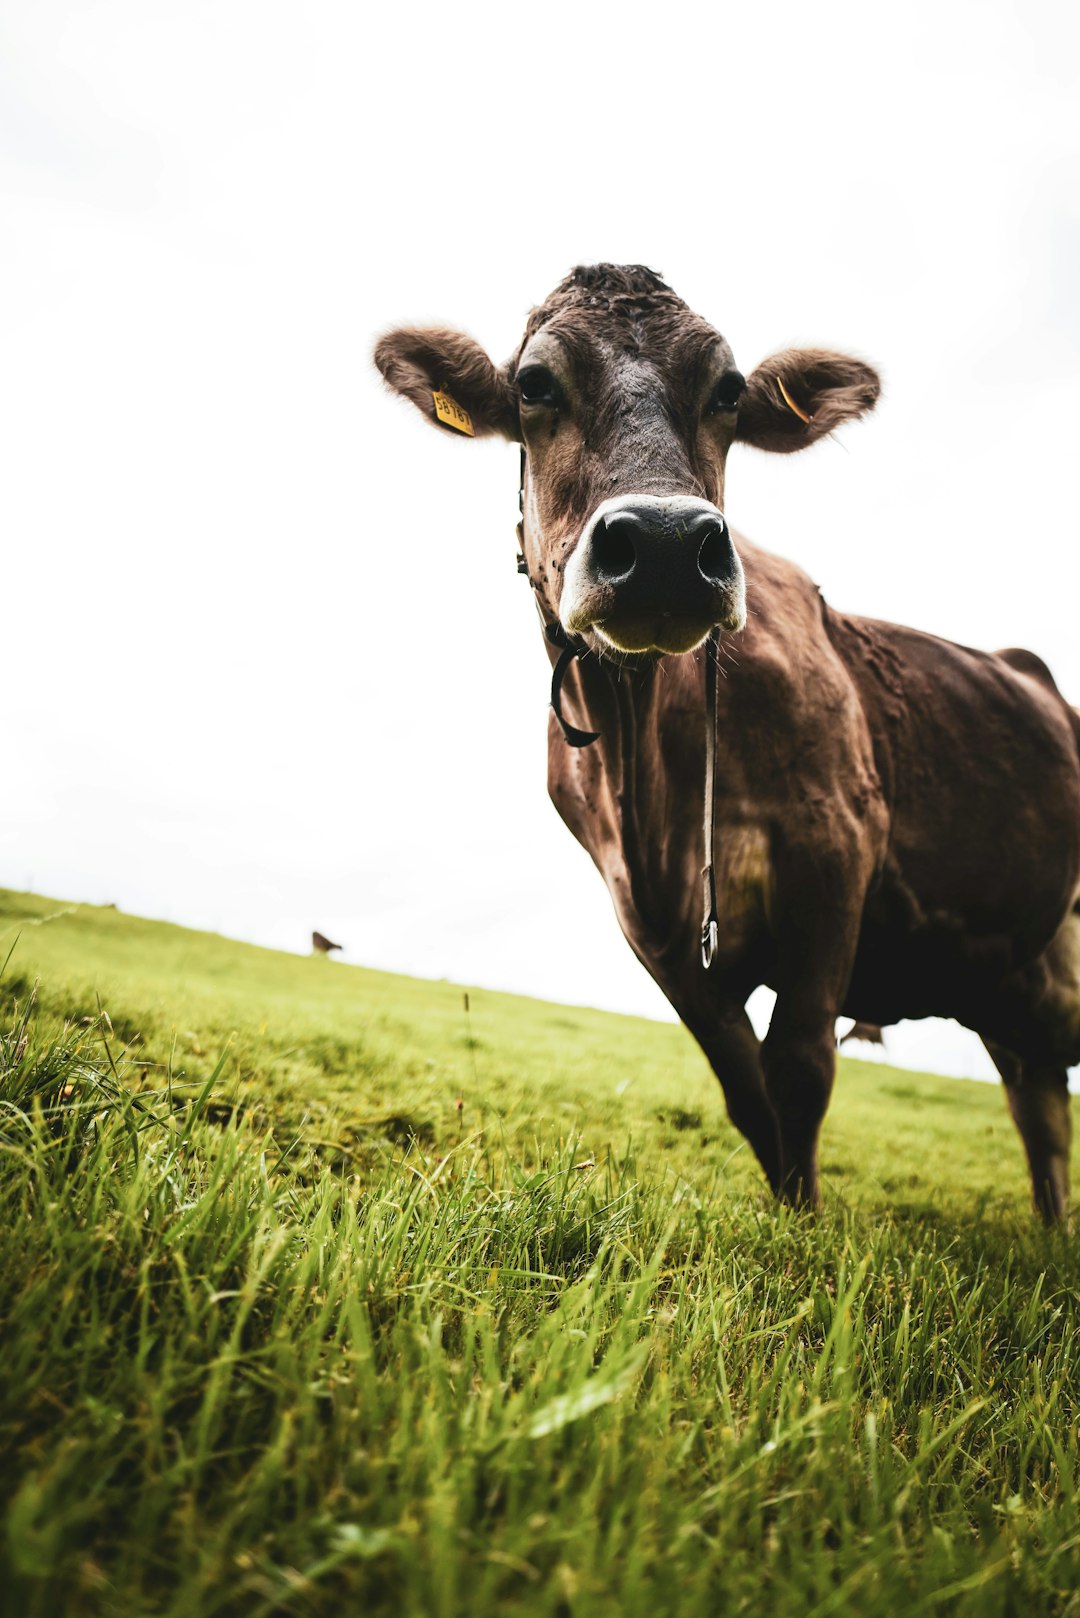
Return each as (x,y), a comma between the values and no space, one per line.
(780,591)
(786,643)
(792,709)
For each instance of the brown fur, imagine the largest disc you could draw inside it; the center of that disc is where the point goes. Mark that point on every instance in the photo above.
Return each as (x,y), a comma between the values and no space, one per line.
(897,818)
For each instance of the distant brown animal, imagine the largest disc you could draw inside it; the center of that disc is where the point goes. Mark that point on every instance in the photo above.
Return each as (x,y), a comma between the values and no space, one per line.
(322,945)
(866,1032)
(897,819)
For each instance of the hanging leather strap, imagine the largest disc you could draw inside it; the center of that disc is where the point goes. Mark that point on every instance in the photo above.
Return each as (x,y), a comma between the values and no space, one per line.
(572,648)
(710,927)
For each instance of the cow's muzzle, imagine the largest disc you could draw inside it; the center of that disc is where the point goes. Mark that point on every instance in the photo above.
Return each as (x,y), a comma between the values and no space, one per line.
(653,573)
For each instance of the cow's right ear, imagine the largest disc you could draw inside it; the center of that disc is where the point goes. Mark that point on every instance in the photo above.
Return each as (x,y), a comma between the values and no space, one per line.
(420,362)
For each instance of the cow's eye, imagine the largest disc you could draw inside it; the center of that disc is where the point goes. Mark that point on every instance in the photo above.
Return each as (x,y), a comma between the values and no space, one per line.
(726,394)
(538,386)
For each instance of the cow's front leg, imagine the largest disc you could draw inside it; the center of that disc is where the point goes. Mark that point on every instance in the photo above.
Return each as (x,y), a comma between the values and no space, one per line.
(799,1057)
(816,918)
(735,1054)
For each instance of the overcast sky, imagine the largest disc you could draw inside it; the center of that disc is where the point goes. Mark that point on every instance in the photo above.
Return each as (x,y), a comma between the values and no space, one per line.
(269,666)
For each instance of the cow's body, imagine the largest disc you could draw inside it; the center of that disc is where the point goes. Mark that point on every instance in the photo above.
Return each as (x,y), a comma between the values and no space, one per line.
(900,763)
(896,816)
(897,819)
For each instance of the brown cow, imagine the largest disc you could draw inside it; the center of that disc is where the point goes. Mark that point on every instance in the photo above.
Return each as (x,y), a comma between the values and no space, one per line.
(897,819)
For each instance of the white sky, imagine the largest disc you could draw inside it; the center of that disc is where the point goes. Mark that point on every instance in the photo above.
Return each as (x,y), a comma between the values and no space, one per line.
(268,665)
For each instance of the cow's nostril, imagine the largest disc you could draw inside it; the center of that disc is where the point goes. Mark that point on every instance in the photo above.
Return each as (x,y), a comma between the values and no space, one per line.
(714,554)
(613,548)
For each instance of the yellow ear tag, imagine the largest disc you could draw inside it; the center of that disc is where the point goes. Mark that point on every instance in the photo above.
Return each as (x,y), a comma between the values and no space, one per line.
(450,412)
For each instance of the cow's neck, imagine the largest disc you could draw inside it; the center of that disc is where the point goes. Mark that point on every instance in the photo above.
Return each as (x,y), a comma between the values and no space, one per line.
(628,705)
(629,749)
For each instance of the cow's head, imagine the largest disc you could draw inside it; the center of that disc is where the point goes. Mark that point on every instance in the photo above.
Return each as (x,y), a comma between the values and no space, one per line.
(627,404)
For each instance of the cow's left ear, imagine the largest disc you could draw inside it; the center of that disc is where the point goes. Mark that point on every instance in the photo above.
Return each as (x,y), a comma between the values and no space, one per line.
(799,395)
(420,362)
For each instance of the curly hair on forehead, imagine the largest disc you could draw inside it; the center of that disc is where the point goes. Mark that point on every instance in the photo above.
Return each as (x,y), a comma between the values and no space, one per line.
(632,290)
(614,279)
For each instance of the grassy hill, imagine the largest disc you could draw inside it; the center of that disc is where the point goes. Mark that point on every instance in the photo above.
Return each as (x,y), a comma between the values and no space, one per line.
(319,1293)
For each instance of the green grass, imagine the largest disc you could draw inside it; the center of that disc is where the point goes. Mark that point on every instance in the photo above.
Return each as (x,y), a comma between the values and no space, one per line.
(286,1330)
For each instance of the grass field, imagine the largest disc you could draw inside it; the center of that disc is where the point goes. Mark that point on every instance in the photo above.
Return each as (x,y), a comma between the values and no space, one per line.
(319,1295)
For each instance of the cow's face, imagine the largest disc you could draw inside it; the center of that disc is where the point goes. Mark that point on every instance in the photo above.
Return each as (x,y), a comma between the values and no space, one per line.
(627,404)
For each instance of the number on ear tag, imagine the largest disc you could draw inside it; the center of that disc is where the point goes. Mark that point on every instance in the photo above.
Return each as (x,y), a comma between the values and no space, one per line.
(450,412)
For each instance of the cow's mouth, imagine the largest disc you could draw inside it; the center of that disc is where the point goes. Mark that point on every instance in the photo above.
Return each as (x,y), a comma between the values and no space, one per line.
(663,633)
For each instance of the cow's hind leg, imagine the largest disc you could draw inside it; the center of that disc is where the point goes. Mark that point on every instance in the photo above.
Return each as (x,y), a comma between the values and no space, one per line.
(1038,1098)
